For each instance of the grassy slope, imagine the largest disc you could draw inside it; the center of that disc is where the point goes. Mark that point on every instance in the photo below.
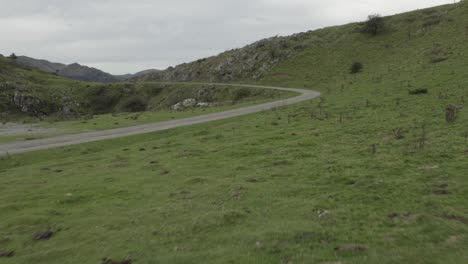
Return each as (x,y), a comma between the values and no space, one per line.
(274,187)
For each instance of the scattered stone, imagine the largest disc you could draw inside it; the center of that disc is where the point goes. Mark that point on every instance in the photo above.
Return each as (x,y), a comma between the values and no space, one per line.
(322,213)
(43,235)
(203,105)
(6,253)
(259,245)
(189,102)
(164,172)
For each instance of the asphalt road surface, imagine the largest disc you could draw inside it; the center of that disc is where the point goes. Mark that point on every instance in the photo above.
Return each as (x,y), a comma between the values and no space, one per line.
(74,139)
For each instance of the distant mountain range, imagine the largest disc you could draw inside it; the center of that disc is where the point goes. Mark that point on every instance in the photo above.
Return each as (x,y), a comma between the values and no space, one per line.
(76,71)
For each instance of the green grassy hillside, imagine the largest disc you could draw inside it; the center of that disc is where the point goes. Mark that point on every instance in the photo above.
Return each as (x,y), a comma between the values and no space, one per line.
(416,47)
(371,172)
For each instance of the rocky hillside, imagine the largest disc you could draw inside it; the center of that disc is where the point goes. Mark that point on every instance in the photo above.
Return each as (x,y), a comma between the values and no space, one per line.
(250,62)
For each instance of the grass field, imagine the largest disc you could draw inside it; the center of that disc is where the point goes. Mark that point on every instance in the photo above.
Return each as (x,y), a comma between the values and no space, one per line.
(367,173)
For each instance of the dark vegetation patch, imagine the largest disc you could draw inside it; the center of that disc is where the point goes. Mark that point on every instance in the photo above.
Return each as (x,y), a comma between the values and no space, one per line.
(6,253)
(351,248)
(135,103)
(374,25)
(43,235)
(112,261)
(356,67)
(458,218)
(418,91)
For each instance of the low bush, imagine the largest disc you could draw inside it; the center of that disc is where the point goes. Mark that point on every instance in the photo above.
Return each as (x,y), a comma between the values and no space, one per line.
(356,67)
(241,93)
(418,91)
(135,103)
(374,25)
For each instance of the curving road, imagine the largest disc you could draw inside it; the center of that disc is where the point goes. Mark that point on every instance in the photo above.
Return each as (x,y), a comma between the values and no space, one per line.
(61,141)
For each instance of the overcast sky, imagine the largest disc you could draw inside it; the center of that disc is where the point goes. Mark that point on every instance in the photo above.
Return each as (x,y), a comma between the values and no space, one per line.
(121,36)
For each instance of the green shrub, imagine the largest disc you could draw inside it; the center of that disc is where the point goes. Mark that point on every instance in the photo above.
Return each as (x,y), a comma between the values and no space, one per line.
(13,56)
(374,25)
(241,93)
(103,99)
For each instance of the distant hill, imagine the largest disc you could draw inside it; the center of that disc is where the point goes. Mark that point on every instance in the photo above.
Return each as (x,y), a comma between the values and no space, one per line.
(83,73)
(43,65)
(76,71)
(138,74)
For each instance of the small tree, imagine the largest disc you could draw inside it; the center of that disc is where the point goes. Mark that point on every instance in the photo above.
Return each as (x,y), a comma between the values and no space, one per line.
(374,25)
(13,56)
(356,67)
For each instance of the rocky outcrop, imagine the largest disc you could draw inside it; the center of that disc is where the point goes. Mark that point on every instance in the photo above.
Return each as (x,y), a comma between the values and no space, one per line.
(27,104)
(34,106)
(189,103)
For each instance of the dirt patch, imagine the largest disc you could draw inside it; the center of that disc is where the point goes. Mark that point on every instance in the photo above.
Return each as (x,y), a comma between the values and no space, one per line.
(440,189)
(327,241)
(43,235)
(351,248)
(6,254)
(13,129)
(457,218)
(393,215)
(111,261)
(441,192)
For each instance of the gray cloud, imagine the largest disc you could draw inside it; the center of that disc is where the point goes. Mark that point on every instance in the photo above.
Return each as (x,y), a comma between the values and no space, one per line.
(127,36)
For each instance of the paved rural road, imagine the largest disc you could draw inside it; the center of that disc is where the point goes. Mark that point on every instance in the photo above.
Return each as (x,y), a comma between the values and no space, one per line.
(61,141)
